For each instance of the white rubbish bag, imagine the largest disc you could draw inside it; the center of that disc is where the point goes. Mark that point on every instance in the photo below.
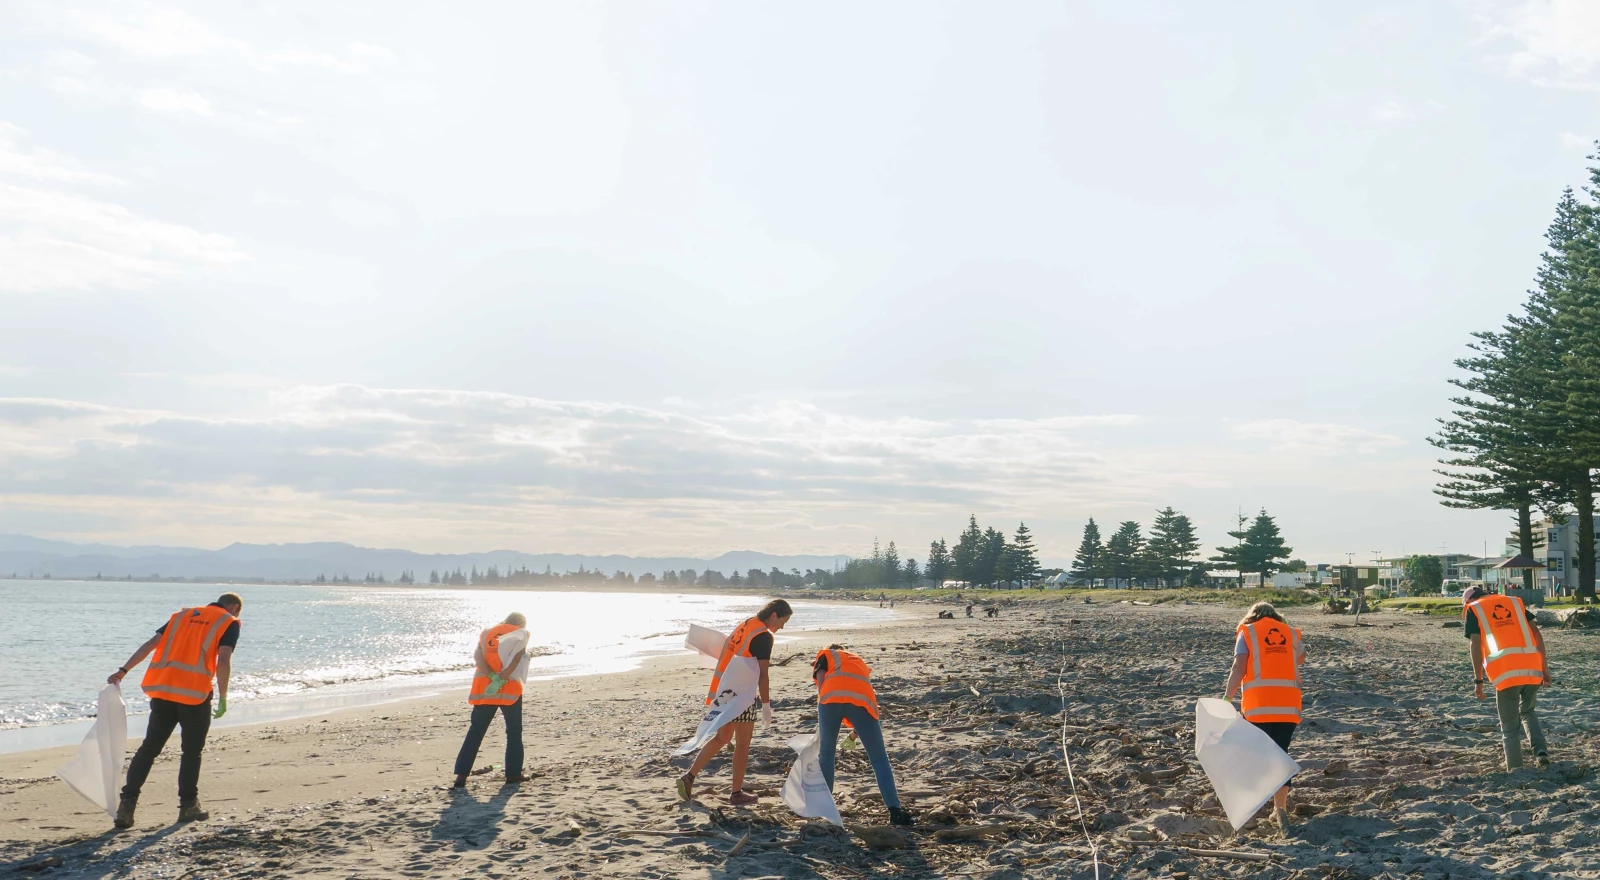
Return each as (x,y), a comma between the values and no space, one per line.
(1244,765)
(94,773)
(739,684)
(708,642)
(806,791)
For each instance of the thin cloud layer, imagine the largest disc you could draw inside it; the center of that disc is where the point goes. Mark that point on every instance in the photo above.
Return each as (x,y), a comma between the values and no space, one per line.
(1557,42)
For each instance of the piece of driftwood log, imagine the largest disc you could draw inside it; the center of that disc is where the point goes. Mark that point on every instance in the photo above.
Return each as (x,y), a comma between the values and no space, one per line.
(1228,854)
(970,832)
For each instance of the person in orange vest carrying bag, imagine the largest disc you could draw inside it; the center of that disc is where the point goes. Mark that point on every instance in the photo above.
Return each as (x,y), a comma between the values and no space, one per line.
(192,647)
(501,668)
(1267,656)
(845,696)
(1507,652)
(753,638)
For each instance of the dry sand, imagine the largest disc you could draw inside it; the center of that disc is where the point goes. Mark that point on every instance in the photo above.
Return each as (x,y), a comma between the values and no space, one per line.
(1401,770)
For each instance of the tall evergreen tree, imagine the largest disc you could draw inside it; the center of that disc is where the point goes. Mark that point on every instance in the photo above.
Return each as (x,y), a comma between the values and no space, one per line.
(910,572)
(1172,547)
(992,555)
(891,565)
(1025,559)
(968,554)
(1123,551)
(1086,564)
(1261,548)
(1574,330)
(938,562)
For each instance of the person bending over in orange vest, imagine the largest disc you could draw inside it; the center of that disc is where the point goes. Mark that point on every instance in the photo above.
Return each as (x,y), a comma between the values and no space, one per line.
(1514,662)
(194,645)
(845,696)
(1267,657)
(497,687)
(753,638)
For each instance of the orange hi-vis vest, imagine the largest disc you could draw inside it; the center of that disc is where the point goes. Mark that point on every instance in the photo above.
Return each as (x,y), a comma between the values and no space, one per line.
(511,690)
(185,660)
(1272,679)
(1510,655)
(738,645)
(848,680)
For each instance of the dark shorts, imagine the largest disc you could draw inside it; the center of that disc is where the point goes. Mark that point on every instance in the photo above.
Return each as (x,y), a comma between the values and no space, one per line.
(1281,733)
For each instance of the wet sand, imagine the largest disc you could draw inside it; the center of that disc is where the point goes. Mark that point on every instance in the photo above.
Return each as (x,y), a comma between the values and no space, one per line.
(1400,775)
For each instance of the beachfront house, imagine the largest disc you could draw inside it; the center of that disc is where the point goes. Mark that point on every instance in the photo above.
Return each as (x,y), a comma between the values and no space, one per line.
(1559,556)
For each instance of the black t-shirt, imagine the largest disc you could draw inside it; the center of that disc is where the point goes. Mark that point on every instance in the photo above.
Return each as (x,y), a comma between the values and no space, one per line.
(230,638)
(761,646)
(1470,628)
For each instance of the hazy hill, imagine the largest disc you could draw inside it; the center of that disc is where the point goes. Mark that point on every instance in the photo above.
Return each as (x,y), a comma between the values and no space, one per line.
(23,555)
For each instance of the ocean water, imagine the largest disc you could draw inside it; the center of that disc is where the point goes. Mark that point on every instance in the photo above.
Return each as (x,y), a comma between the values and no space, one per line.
(306,649)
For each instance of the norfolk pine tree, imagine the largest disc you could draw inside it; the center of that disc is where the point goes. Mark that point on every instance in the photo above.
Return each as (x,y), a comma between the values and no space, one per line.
(1086,564)
(1172,545)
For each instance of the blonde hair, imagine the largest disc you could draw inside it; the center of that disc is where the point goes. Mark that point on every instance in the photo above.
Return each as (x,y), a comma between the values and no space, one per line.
(515,618)
(1259,611)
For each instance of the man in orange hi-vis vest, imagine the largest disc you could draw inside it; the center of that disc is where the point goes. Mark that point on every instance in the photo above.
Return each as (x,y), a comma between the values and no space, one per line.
(501,666)
(1507,652)
(194,645)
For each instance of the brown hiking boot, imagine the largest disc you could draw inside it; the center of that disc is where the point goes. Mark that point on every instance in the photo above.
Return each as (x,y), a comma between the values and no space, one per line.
(125,809)
(192,812)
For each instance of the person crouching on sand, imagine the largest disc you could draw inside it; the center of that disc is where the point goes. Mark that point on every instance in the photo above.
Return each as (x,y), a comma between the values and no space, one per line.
(1266,673)
(497,686)
(845,696)
(753,638)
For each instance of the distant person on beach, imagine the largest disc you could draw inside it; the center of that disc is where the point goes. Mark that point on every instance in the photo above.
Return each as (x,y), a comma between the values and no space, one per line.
(192,647)
(497,687)
(1515,663)
(969,610)
(845,696)
(753,638)
(1267,656)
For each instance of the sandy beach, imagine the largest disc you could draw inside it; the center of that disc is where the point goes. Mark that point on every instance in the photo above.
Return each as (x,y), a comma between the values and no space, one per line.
(1400,774)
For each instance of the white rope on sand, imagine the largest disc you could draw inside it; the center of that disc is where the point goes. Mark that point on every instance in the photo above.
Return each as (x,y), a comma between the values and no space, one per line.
(1094,850)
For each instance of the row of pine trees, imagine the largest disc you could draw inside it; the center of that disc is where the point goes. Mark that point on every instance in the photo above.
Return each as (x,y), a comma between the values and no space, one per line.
(1525,434)
(1170,555)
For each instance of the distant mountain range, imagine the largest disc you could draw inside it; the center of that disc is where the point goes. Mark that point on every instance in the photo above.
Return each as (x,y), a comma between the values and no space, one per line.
(23,555)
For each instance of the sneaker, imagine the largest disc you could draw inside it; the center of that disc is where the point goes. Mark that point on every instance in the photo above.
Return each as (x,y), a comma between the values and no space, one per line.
(518,779)
(192,812)
(742,799)
(1543,760)
(686,787)
(125,809)
(901,816)
(1282,818)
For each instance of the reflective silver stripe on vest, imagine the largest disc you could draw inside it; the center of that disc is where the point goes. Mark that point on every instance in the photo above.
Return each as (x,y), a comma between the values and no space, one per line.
(1255,651)
(1518,673)
(205,647)
(1273,683)
(1272,710)
(178,691)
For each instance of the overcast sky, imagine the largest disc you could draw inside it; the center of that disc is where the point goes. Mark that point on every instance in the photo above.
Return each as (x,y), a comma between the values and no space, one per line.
(692,277)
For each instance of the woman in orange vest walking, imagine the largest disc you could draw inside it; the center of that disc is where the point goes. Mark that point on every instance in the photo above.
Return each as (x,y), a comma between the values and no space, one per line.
(497,687)
(845,696)
(194,645)
(1266,673)
(1508,652)
(753,638)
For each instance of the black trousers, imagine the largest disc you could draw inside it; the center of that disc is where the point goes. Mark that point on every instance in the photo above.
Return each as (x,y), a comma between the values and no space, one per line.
(164,716)
(481,716)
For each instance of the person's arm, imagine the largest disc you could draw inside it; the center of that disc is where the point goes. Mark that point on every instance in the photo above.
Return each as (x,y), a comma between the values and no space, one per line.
(134,659)
(1236,675)
(1476,652)
(481,665)
(224,672)
(766,692)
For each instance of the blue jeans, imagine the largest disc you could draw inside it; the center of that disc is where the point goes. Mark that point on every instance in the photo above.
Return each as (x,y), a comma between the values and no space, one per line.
(481,716)
(829,717)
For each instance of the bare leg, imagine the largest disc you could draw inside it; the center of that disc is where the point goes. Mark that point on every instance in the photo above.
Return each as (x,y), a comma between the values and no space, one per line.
(709,751)
(741,751)
(1280,799)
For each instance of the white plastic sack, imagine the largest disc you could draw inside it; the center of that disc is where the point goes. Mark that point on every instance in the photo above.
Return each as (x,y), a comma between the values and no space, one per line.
(94,773)
(708,642)
(1244,765)
(739,684)
(806,791)
(510,644)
